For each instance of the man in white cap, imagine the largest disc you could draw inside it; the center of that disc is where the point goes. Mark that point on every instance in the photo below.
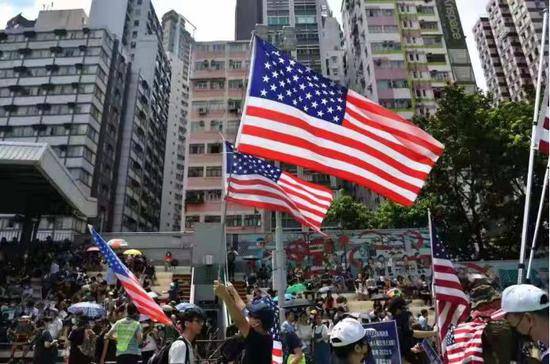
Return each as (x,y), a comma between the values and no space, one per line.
(525,307)
(350,341)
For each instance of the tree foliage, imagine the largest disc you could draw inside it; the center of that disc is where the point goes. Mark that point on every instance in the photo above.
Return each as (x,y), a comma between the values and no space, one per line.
(476,189)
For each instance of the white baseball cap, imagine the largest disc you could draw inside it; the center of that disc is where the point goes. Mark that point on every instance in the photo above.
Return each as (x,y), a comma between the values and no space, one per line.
(348,331)
(521,298)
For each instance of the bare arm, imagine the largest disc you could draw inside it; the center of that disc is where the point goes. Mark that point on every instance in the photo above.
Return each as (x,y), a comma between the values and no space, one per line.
(236,314)
(418,334)
(238,300)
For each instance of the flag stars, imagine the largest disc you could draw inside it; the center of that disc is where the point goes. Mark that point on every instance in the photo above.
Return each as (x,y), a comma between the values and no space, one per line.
(266,78)
(267,65)
(263,92)
(280,97)
(275,74)
(273,87)
(320,113)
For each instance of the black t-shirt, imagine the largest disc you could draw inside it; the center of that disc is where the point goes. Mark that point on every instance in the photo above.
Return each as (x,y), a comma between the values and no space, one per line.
(404,331)
(40,351)
(257,348)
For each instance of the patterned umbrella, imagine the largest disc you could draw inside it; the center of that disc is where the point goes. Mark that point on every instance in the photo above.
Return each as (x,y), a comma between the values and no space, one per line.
(88,309)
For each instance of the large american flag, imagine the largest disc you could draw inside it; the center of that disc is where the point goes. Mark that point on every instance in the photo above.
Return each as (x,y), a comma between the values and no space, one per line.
(464,342)
(145,304)
(541,134)
(451,302)
(253,182)
(297,116)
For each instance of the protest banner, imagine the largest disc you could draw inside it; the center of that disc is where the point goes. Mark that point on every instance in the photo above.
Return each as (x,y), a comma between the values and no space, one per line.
(430,352)
(384,343)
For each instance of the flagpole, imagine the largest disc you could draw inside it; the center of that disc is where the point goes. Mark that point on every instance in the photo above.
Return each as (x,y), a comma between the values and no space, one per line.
(279,259)
(537,225)
(434,300)
(521,264)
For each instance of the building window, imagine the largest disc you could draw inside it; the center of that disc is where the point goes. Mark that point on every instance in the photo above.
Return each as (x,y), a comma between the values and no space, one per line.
(195,172)
(252,220)
(197,126)
(213,195)
(216,125)
(235,84)
(217,84)
(196,149)
(233,220)
(190,221)
(215,148)
(212,218)
(235,65)
(213,171)
(201,84)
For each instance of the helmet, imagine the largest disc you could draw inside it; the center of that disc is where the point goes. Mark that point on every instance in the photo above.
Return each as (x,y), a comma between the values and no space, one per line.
(263,312)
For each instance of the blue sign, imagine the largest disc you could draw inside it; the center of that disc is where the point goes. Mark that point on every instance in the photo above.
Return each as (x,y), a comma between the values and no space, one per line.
(430,352)
(384,343)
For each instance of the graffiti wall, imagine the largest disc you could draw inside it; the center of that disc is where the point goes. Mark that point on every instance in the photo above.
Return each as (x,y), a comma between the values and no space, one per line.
(392,252)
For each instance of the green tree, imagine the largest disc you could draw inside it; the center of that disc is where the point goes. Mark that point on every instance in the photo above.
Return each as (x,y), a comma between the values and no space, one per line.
(477,187)
(348,214)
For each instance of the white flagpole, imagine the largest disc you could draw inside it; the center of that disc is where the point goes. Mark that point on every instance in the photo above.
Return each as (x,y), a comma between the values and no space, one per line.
(434,300)
(521,264)
(279,260)
(537,225)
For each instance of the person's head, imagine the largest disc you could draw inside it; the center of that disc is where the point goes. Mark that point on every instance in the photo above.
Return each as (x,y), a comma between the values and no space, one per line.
(303,318)
(318,319)
(424,313)
(349,340)
(192,321)
(131,310)
(261,317)
(397,305)
(525,307)
(290,316)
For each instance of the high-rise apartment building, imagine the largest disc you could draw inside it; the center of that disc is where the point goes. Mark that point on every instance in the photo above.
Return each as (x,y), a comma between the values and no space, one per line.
(515,30)
(490,60)
(248,13)
(63,83)
(402,54)
(177,43)
(138,196)
(218,87)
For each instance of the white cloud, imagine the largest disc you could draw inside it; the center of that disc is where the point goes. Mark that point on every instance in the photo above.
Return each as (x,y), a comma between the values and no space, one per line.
(215,19)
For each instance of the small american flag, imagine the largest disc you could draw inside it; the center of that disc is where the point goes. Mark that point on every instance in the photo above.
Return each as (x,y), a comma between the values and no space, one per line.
(464,343)
(452,303)
(541,134)
(275,331)
(145,304)
(253,182)
(297,116)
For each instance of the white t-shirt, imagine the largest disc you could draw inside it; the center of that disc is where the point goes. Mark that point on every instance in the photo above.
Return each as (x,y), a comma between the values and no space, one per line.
(178,352)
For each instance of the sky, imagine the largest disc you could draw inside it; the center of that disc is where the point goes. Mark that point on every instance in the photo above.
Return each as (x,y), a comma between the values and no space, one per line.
(215,19)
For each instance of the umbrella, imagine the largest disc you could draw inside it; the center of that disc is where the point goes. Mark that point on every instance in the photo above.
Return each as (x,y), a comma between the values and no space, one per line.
(92,249)
(326,289)
(167,308)
(393,292)
(132,252)
(88,309)
(296,288)
(379,297)
(184,306)
(288,297)
(152,294)
(117,243)
(300,302)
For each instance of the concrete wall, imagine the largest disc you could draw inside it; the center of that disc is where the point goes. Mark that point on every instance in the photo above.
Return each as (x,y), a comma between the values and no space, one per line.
(61,19)
(109,14)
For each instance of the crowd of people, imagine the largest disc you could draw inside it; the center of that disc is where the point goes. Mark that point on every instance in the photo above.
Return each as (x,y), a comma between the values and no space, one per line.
(41,282)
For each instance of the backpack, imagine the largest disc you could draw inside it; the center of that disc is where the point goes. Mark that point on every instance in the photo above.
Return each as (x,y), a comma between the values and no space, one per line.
(232,349)
(161,356)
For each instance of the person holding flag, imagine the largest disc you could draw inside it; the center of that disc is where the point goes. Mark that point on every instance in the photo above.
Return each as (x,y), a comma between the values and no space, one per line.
(259,345)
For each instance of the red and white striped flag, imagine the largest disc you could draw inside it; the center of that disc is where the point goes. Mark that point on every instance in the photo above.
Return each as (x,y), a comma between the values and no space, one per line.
(297,116)
(452,304)
(144,303)
(253,182)
(541,134)
(464,343)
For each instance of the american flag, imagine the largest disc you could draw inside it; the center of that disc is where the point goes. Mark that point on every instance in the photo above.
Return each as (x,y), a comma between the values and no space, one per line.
(464,343)
(541,134)
(297,116)
(451,301)
(275,331)
(145,304)
(253,182)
